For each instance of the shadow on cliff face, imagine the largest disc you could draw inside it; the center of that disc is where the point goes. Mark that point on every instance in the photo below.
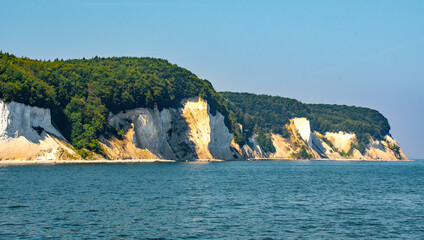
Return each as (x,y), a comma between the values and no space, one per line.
(42,134)
(178,137)
(316,144)
(61,122)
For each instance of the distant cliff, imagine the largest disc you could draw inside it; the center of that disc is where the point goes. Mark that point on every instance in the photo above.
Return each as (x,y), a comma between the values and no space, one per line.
(302,143)
(287,128)
(145,108)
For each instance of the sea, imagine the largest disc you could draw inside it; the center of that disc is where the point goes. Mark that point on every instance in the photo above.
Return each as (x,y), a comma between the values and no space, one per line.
(214,200)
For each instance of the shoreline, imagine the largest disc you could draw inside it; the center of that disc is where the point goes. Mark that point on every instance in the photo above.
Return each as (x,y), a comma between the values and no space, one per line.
(80,161)
(103,161)
(327,159)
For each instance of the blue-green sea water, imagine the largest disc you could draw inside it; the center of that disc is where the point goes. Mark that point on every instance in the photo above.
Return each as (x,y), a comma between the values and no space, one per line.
(217,200)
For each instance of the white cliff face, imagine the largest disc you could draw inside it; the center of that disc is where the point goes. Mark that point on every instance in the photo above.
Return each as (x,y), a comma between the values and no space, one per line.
(151,125)
(191,132)
(196,114)
(341,140)
(17,119)
(257,151)
(385,149)
(209,133)
(303,127)
(150,128)
(27,133)
(285,148)
(221,138)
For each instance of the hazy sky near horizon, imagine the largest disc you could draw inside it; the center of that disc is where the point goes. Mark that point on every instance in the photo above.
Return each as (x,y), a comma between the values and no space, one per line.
(363,53)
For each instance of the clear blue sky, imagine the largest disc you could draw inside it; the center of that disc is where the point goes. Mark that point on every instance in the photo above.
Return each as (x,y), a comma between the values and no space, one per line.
(363,53)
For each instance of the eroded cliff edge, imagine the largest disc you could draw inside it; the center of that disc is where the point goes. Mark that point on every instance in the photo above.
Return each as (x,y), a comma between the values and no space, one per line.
(27,133)
(186,133)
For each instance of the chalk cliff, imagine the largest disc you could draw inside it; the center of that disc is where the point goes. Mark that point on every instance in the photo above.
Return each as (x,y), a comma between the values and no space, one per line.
(330,145)
(27,133)
(189,132)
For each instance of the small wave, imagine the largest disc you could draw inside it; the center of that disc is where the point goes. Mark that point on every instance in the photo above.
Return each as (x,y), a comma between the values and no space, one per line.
(17,206)
(11,224)
(91,210)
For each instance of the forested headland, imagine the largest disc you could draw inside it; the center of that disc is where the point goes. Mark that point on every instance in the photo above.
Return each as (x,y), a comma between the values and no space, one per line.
(82,92)
(264,114)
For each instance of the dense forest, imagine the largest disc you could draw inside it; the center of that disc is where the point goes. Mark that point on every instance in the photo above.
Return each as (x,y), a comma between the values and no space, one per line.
(265,114)
(81,93)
